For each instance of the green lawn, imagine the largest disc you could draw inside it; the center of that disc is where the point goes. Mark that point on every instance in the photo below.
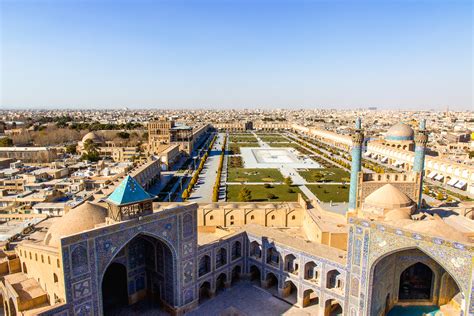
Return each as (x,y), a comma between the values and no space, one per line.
(301,149)
(273,138)
(242,139)
(260,193)
(253,175)
(330,192)
(325,175)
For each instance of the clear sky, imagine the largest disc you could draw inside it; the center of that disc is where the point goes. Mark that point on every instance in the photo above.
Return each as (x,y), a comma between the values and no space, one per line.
(402,54)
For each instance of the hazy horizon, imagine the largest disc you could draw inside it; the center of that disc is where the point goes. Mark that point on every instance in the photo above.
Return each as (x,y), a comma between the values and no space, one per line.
(393,55)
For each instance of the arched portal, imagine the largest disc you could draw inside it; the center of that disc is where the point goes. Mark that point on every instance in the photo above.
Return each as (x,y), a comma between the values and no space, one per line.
(236,274)
(290,292)
(332,308)
(114,287)
(142,272)
(410,277)
(255,275)
(205,292)
(220,282)
(310,298)
(416,283)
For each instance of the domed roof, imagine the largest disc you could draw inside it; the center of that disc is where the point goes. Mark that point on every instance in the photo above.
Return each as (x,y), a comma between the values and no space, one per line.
(400,131)
(398,214)
(93,136)
(388,197)
(84,217)
(436,227)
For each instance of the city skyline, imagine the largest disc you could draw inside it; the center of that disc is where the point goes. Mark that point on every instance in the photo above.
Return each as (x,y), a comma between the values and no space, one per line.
(207,54)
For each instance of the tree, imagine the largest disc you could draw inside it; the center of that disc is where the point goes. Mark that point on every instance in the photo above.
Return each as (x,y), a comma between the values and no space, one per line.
(71,149)
(288,181)
(123,135)
(440,196)
(245,195)
(185,194)
(270,196)
(6,142)
(90,146)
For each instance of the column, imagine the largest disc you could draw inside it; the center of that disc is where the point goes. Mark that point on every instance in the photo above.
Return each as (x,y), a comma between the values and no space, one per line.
(357,141)
(421,140)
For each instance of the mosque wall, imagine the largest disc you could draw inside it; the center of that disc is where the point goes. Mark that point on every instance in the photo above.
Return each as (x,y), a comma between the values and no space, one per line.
(86,257)
(309,273)
(369,243)
(45,266)
(235,214)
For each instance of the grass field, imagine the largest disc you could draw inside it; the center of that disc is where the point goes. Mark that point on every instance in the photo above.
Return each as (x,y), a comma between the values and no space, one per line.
(273,138)
(301,149)
(242,139)
(325,175)
(253,175)
(260,193)
(330,192)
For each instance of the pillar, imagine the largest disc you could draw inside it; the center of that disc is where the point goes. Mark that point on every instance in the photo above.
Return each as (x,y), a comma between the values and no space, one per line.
(421,140)
(357,141)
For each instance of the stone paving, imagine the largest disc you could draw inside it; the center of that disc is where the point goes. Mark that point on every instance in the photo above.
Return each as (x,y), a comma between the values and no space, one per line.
(250,300)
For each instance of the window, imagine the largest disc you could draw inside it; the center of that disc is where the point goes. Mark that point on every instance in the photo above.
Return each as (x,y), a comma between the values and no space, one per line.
(252,217)
(221,257)
(273,217)
(36,257)
(57,262)
(293,217)
(204,265)
(255,249)
(236,250)
(55,278)
(49,260)
(211,217)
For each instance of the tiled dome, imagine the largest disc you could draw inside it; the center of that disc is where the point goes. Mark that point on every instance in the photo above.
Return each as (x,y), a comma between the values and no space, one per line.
(400,131)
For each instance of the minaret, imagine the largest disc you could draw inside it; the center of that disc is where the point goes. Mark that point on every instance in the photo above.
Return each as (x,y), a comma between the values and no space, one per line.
(421,139)
(357,141)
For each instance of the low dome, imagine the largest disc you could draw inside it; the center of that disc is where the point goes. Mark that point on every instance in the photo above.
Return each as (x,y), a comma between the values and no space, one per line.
(84,217)
(436,227)
(398,214)
(93,137)
(388,197)
(400,132)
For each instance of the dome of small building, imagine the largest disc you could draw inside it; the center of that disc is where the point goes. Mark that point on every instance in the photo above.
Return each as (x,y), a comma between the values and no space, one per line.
(400,132)
(388,197)
(93,136)
(84,217)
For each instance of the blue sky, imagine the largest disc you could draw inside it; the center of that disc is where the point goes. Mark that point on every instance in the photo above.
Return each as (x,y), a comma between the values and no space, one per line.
(236,54)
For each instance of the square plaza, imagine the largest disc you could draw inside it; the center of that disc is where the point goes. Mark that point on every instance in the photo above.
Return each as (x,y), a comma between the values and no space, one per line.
(257,157)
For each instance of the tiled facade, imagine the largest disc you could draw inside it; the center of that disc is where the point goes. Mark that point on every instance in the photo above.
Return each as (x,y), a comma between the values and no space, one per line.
(86,257)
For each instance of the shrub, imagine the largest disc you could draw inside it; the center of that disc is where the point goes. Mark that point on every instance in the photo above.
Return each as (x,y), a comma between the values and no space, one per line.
(271,196)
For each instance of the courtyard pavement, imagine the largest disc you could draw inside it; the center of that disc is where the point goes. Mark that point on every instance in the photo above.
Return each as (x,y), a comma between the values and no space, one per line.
(249,299)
